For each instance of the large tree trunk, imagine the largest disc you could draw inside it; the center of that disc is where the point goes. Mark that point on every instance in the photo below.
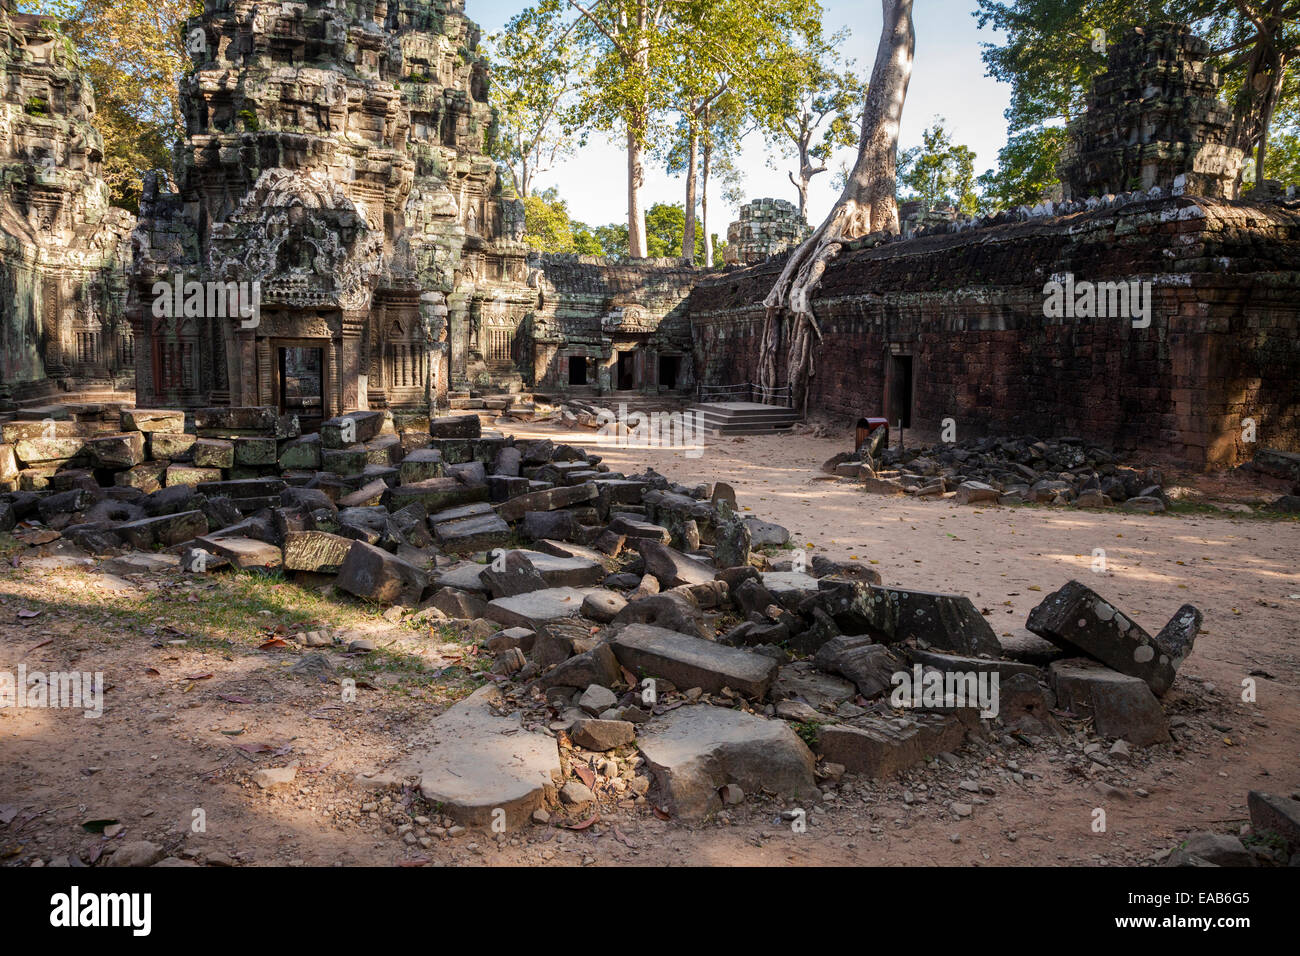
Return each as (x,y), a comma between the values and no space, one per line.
(704,200)
(688,234)
(867,204)
(636,244)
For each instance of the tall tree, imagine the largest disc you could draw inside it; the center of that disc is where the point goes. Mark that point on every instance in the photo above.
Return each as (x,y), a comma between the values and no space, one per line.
(812,107)
(939,171)
(1054,48)
(536,69)
(867,204)
(628,86)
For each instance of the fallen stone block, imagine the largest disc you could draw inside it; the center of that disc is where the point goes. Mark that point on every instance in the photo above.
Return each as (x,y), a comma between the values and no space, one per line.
(1120,705)
(634,528)
(316,551)
(1270,813)
(436,494)
(1078,620)
(602,734)
(125,450)
(696,750)
(420,465)
(163,531)
(670,610)
(350,429)
(468,535)
(456,426)
(869,665)
(549,499)
(670,567)
(301,454)
(692,662)
(765,534)
(375,575)
(459,605)
(596,666)
(515,575)
(162,420)
(213,453)
(881,747)
(536,608)
(190,475)
(242,552)
(603,606)
(476,762)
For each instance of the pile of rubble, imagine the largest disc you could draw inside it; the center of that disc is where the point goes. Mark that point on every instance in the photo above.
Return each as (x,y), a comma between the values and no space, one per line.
(619,612)
(1062,471)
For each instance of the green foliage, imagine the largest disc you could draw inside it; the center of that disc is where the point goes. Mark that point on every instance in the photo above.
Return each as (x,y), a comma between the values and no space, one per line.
(1053,49)
(938,172)
(536,71)
(1026,172)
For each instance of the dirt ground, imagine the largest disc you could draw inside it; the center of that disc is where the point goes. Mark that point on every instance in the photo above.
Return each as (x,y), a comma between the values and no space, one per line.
(199,696)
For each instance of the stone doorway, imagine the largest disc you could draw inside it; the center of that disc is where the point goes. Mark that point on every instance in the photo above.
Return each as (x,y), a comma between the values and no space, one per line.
(577,370)
(626,379)
(669,368)
(302,380)
(899,390)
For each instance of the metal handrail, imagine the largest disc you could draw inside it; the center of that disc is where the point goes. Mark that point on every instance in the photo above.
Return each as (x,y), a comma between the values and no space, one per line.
(780,395)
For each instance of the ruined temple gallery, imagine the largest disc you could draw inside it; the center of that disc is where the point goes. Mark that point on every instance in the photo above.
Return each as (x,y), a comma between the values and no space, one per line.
(334,161)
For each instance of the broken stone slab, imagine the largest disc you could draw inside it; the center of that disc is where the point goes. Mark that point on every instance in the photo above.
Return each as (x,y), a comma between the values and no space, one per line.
(973,492)
(476,533)
(420,465)
(301,453)
(696,750)
(693,662)
(548,499)
(596,666)
(883,746)
(459,605)
(371,493)
(167,420)
(317,551)
(803,682)
(511,574)
(350,429)
(1270,813)
(234,420)
(765,534)
(671,610)
(375,575)
(477,762)
(670,567)
(603,606)
(242,552)
(1079,620)
(1216,849)
(602,735)
(536,608)
(172,446)
(436,494)
(456,426)
(869,665)
(964,663)
(634,528)
(125,450)
(163,531)
(1120,705)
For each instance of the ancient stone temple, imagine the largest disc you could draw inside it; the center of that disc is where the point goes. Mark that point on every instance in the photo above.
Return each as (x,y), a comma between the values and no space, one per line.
(604,325)
(62,246)
(766,227)
(336,237)
(1153,119)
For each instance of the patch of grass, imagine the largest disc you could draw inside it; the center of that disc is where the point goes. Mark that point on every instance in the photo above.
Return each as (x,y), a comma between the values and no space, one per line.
(808,730)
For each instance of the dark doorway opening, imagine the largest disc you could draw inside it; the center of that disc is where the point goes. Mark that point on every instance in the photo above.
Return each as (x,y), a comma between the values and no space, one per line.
(669,366)
(900,399)
(302,384)
(577,370)
(626,371)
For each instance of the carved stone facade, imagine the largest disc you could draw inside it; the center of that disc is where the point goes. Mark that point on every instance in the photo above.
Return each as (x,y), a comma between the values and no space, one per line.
(1153,120)
(605,325)
(334,171)
(62,246)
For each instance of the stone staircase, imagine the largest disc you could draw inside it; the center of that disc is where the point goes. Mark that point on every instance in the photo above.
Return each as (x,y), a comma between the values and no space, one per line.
(746,418)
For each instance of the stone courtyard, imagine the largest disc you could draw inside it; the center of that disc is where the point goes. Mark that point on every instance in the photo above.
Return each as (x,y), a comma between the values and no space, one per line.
(314,464)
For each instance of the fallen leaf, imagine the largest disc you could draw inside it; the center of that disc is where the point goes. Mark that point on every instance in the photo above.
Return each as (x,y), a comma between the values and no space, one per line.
(584,824)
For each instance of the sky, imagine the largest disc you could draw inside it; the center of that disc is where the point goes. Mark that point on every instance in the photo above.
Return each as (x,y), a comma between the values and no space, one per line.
(948,80)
